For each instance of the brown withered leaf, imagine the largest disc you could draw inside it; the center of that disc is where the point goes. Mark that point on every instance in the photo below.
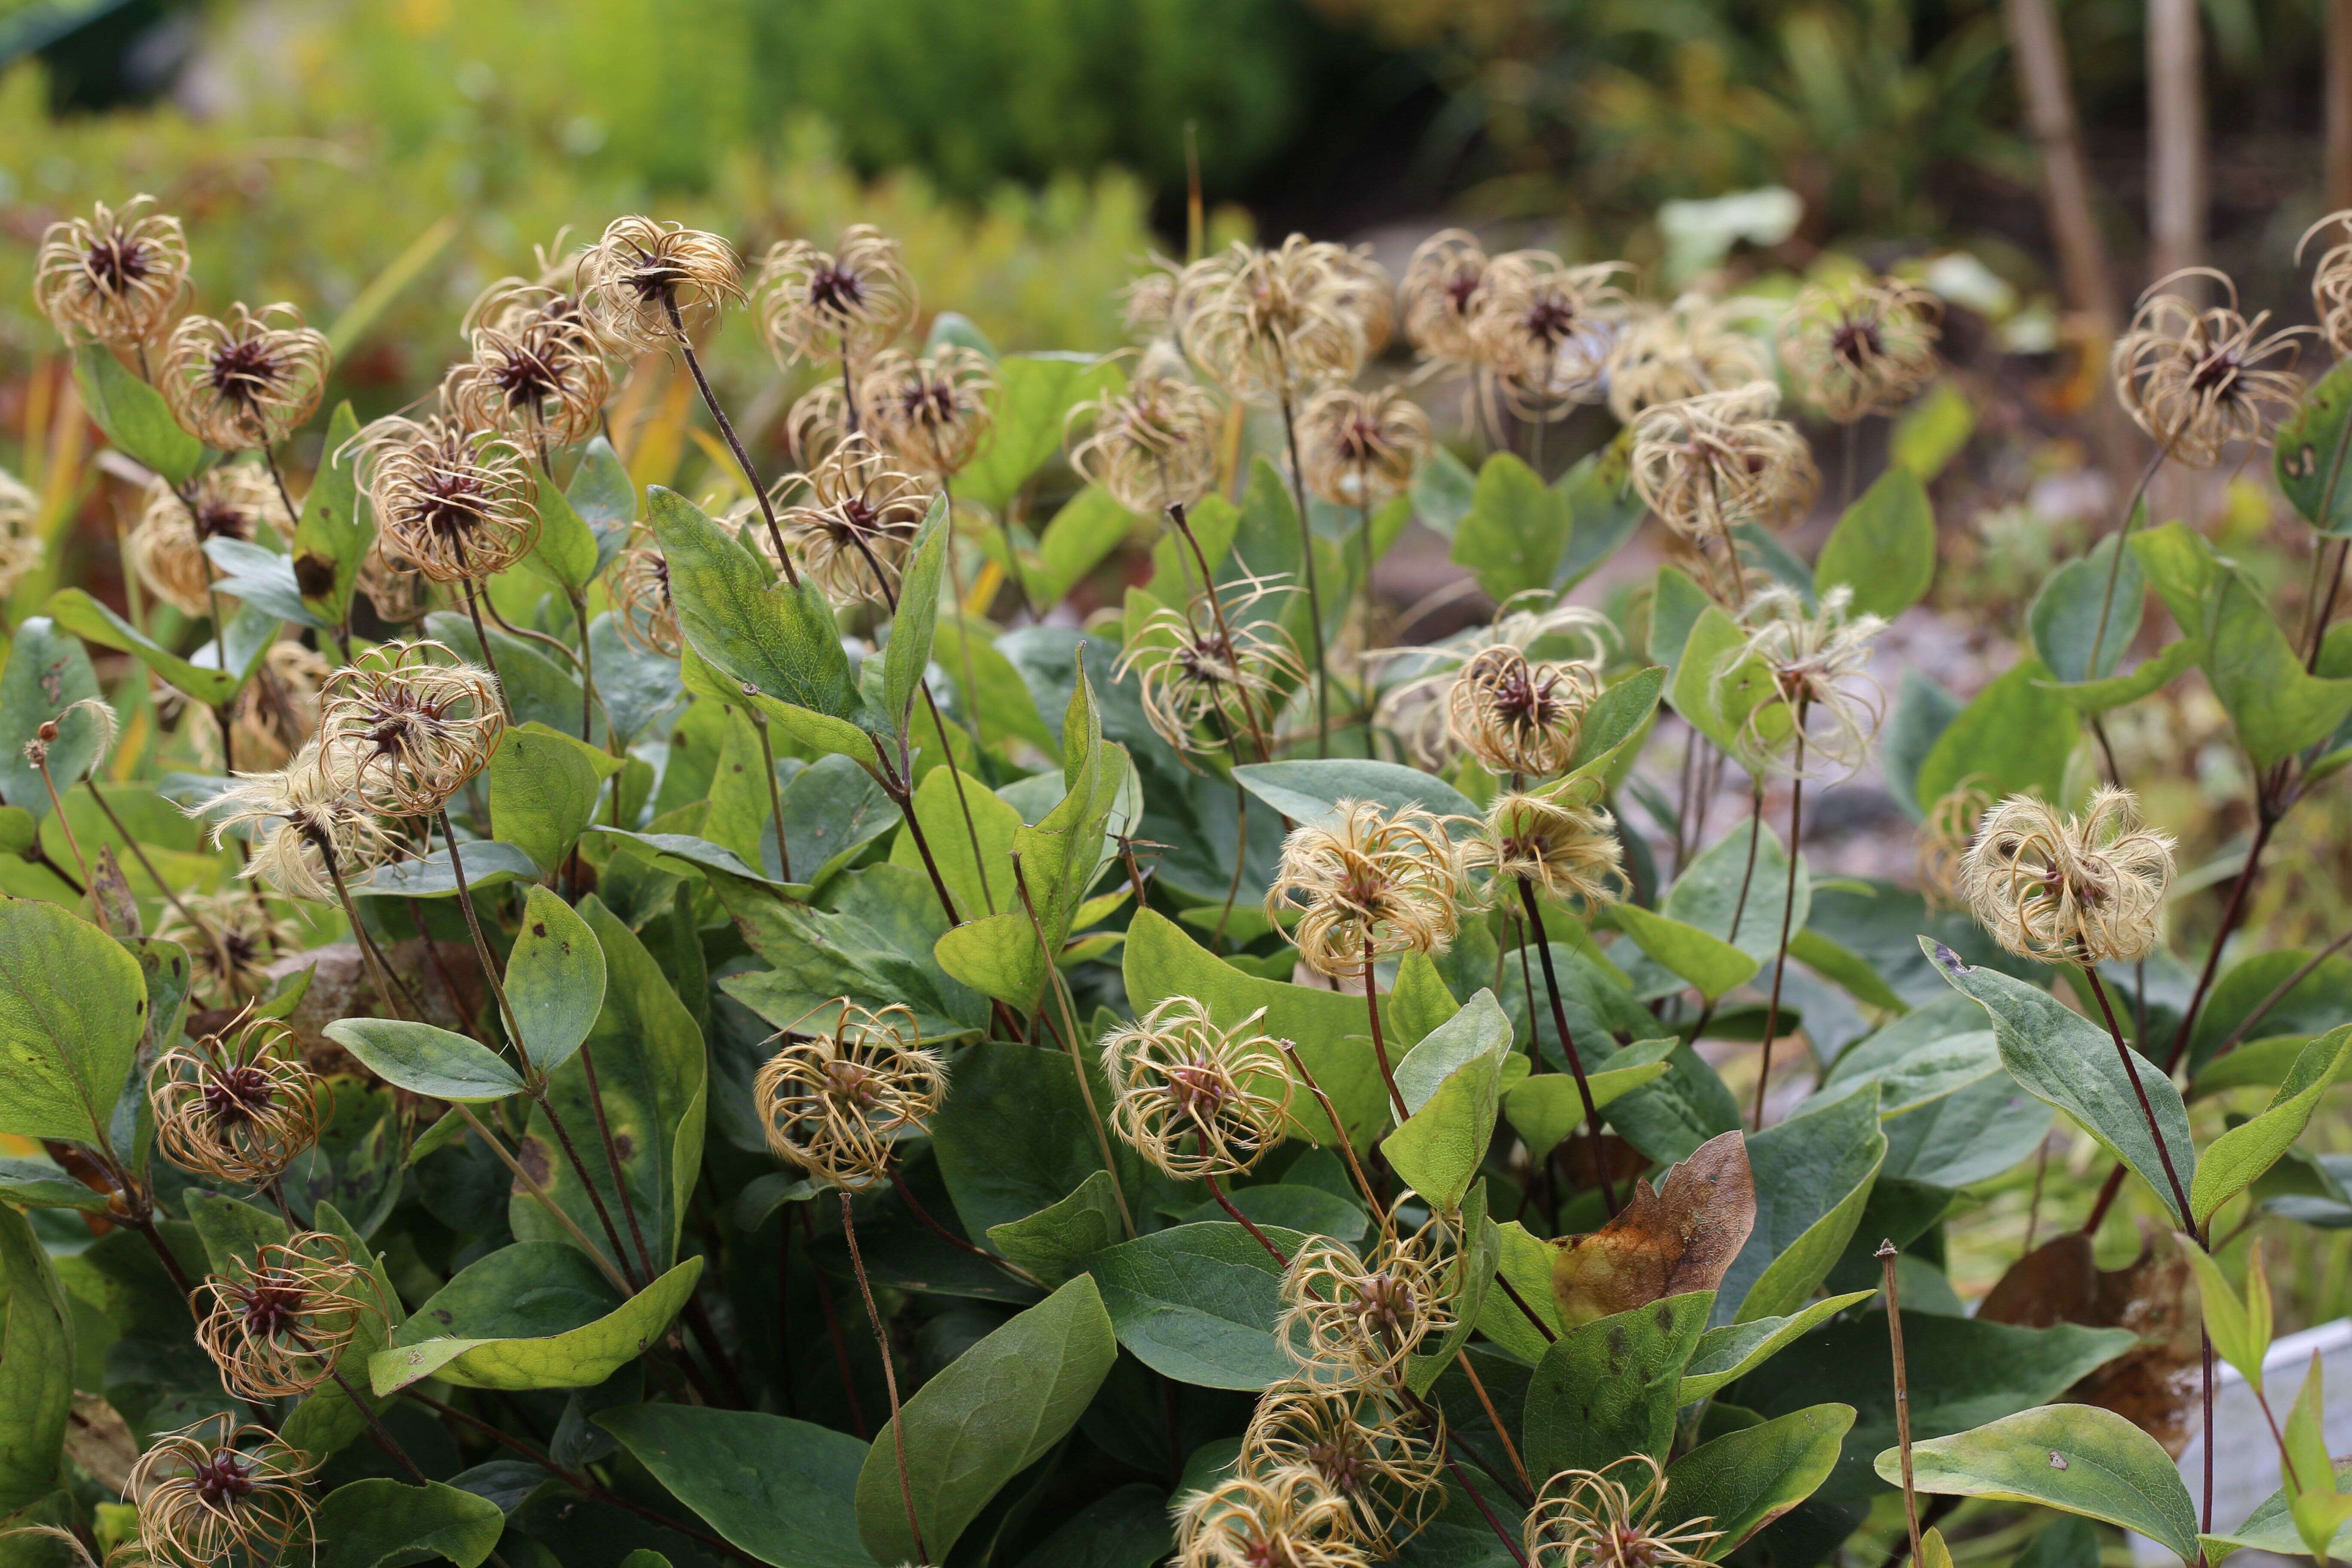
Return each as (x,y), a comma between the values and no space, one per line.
(2153,1385)
(1663,1243)
(100,1441)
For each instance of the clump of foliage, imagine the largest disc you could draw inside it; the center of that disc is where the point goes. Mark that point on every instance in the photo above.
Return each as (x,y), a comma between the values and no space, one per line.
(737,1031)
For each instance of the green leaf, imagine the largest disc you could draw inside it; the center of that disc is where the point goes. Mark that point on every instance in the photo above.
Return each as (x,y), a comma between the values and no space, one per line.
(1468,1285)
(47,673)
(2063,1060)
(1707,895)
(566,553)
(1035,394)
(1016,1138)
(982,1419)
(1716,707)
(2013,739)
(1310,791)
(330,542)
(1734,1350)
(1419,1001)
(1459,1082)
(909,651)
(1056,1241)
(2241,1330)
(1603,511)
(380,1523)
(37,1366)
(425,1060)
(1515,531)
(264,579)
(2152,674)
(780,640)
(2236,1159)
(134,416)
(2271,1527)
(783,1490)
(980,882)
(1884,547)
(544,786)
(1813,1174)
(2309,457)
(249,638)
(1935,1051)
(233,1231)
(1931,432)
(1610,1387)
(38,1185)
(2076,1458)
(1546,1107)
(1711,965)
(1087,528)
(554,980)
(2065,618)
(604,495)
(1199,1304)
(72,1003)
(1616,716)
(868,938)
(1744,1480)
(488,863)
(537,1314)
(2278,708)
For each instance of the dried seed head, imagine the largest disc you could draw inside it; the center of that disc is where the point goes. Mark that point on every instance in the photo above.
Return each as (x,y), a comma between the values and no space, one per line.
(834,1104)
(1856,346)
(818,424)
(538,369)
(102,726)
(1568,850)
(250,381)
(2066,889)
(406,724)
(1192,1098)
(1206,679)
(1545,329)
(114,277)
(1419,710)
(278,711)
(274,1326)
(166,547)
(849,520)
(1147,304)
(236,966)
(929,413)
(238,1105)
(1711,462)
(1359,449)
(2199,380)
(452,502)
(1679,350)
(1814,706)
(646,284)
(2331,281)
(1943,837)
(21,546)
(848,305)
(1600,1518)
(1287,1519)
(1442,288)
(1351,1318)
(1273,325)
(642,606)
(307,823)
(1370,884)
(218,1493)
(1517,717)
(1364,1443)
(1153,447)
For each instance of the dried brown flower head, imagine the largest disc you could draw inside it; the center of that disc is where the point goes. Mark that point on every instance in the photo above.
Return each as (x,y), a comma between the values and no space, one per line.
(216,1493)
(1274,325)
(2086,890)
(646,285)
(1943,840)
(2331,281)
(1597,1518)
(1366,1447)
(1856,345)
(1667,354)
(275,1325)
(1441,293)
(2197,379)
(21,546)
(452,502)
(849,520)
(1517,717)
(166,546)
(236,966)
(1147,304)
(1217,668)
(1569,851)
(538,369)
(406,724)
(306,824)
(1711,462)
(848,305)
(642,606)
(1153,447)
(1287,1519)
(1359,449)
(930,412)
(1351,1318)
(1371,883)
(1533,625)
(238,1105)
(1192,1098)
(250,381)
(1819,708)
(115,277)
(1544,329)
(818,423)
(834,1104)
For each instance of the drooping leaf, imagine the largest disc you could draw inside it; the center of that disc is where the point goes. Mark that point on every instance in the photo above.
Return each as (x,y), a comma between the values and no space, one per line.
(37,1366)
(426,1060)
(198,674)
(1743,1480)
(536,1314)
(1198,1303)
(1677,1241)
(2239,1157)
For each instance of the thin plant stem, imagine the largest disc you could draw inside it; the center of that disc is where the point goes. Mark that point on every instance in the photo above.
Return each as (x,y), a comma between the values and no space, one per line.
(2123,538)
(2326,609)
(1535,937)
(1241,858)
(1070,1042)
(832,1332)
(587,669)
(540,1195)
(784,1314)
(1787,913)
(1280,1258)
(890,1378)
(270,460)
(743,459)
(57,807)
(2278,993)
(612,1163)
(1886,1255)
(1852,442)
(1379,1047)
(1306,571)
(482,953)
(1364,533)
(1747,874)
(1486,1403)
(218,944)
(1509,1544)
(775,794)
(222,716)
(1525,1310)
(2131,1070)
(915,1208)
(1217,609)
(903,796)
(489,657)
(389,986)
(2265,822)
(1338,1128)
